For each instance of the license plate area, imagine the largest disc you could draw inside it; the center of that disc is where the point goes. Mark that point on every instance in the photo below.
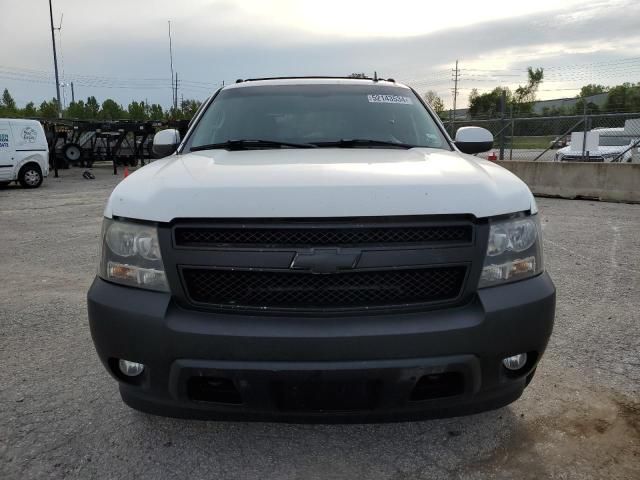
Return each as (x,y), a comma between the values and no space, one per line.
(326,396)
(317,387)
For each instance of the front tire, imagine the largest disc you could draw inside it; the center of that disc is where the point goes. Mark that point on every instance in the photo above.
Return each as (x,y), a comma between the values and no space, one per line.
(30,176)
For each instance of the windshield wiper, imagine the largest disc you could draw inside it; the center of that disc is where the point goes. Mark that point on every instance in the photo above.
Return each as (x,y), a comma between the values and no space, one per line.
(363,142)
(245,144)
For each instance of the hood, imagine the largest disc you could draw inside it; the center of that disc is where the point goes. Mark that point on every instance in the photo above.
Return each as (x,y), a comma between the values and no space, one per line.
(331,182)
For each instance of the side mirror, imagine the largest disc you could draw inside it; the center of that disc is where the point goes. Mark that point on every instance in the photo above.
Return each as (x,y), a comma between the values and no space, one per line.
(165,142)
(473,139)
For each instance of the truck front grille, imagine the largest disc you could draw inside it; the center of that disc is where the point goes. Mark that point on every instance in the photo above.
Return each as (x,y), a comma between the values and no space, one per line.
(303,236)
(323,265)
(291,289)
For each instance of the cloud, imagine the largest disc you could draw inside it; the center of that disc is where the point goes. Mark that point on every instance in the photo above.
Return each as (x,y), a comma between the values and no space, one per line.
(224,40)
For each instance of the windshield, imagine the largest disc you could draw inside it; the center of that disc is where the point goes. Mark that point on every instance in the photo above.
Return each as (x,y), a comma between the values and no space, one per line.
(316,115)
(614,141)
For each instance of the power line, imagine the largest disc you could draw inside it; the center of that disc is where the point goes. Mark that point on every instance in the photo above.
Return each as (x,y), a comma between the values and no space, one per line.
(79,75)
(597,64)
(89,81)
(81,83)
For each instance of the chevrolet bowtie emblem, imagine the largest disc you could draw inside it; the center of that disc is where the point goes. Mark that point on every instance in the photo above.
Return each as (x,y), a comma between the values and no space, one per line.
(321,260)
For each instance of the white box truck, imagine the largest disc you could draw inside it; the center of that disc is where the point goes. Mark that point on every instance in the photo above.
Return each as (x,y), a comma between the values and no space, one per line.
(24,153)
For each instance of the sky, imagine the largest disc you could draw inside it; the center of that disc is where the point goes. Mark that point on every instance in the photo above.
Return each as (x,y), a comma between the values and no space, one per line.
(120,49)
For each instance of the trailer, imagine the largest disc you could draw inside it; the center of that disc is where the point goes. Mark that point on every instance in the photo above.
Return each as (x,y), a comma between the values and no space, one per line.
(123,142)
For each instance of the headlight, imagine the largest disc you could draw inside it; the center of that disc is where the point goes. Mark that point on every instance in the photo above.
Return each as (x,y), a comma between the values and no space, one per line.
(131,255)
(514,251)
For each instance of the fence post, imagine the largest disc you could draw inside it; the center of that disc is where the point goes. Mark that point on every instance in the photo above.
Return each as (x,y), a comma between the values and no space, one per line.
(512,133)
(451,121)
(585,127)
(503,101)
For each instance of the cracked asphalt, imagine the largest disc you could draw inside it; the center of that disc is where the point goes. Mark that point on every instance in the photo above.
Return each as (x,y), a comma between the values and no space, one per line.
(61,415)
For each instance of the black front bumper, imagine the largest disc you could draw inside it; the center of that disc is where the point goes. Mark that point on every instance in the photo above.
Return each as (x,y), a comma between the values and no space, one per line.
(397,366)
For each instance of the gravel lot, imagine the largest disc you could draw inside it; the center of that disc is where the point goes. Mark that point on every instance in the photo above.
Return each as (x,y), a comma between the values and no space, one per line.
(61,415)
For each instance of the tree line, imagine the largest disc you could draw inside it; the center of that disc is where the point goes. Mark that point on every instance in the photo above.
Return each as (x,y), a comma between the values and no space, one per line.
(91,109)
(521,101)
(620,98)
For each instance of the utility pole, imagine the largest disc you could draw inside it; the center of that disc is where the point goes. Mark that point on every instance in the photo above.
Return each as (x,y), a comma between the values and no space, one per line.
(174,100)
(175,96)
(55,60)
(584,133)
(456,74)
(73,95)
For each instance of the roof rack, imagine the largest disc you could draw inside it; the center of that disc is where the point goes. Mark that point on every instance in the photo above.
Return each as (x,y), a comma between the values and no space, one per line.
(320,77)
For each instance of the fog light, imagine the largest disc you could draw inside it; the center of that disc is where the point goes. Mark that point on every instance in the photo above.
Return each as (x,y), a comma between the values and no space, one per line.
(516,362)
(130,369)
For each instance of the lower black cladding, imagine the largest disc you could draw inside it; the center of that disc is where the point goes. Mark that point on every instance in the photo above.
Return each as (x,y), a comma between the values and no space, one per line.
(213,389)
(304,291)
(326,396)
(383,367)
(438,385)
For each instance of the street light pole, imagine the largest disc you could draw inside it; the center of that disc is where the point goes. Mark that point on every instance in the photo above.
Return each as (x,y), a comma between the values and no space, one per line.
(55,60)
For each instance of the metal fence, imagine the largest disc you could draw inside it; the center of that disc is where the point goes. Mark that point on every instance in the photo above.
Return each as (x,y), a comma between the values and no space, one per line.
(551,139)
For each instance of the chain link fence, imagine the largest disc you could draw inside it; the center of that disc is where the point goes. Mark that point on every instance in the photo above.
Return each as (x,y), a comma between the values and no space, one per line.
(584,138)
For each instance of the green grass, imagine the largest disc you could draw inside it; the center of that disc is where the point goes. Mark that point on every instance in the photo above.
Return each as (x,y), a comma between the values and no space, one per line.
(541,142)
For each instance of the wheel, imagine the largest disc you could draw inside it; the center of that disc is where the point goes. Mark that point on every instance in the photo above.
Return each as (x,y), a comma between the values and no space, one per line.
(72,152)
(30,176)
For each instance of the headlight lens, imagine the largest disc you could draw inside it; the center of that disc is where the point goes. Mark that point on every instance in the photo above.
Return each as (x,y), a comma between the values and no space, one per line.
(131,255)
(514,251)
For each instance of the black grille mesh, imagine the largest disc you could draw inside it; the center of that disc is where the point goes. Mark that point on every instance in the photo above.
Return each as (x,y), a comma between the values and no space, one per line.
(251,236)
(306,291)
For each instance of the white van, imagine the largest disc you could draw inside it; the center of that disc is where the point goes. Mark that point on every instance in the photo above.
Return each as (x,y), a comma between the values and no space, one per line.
(24,153)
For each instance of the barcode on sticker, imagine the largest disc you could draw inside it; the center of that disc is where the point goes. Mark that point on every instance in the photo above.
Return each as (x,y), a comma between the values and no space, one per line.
(389,99)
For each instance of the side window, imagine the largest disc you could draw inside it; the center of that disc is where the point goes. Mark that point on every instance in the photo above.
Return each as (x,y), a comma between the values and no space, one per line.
(211,125)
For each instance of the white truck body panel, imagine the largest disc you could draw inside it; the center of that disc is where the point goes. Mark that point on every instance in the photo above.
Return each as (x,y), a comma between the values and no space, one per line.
(328,182)
(592,141)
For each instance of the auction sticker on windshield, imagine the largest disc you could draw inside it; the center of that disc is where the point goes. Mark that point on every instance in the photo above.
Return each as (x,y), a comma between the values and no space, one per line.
(375,98)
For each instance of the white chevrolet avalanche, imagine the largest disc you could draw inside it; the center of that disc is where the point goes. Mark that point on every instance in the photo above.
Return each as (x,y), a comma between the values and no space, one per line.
(315,248)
